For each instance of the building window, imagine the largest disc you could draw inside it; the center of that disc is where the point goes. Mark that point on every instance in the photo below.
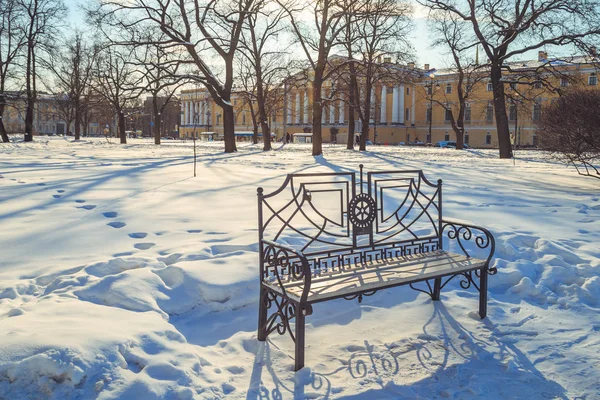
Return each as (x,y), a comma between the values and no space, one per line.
(535,140)
(513,85)
(488,138)
(448,88)
(406,114)
(407,90)
(446,136)
(234,102)
(537,111)
(468,112)
(490,87)
(512,112)
(243,118)
(593,80)
(537,85)
(428,116)
(564,82)
(429,90)
(448,115)
(489,113)
(466,137)
(218,119)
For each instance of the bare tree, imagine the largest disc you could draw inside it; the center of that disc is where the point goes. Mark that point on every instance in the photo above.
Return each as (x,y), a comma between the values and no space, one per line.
(41,22)
(263,64)
(158,66)
(72,69)
(202,30)
(381,33)
(508,29)
(569,129)
(12,41)
(114,80)
(330,18)
(450,33)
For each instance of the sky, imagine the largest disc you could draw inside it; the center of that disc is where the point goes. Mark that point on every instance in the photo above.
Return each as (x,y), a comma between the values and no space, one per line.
(419,37)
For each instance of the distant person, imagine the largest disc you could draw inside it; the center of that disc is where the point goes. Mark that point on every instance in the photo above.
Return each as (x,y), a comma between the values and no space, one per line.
(357,139)
(288,138)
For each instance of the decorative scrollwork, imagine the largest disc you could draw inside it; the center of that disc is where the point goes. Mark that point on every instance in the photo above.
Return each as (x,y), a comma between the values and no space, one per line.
(362,210)
(285,311)
(463,233)
(466,282)
(428,291)
(360,295)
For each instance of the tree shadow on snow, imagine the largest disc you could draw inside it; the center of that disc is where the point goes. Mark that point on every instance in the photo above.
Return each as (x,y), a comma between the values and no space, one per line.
(456,363)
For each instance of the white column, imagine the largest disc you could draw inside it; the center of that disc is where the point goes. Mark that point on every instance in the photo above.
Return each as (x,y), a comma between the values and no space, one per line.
(401,110)
(182,119)
(288,112)
(331,108)
(412,106)
(323,114)
(305,106)
(189,112)
(373,108)
(383,105)
(297,119)
(202,111)
(395,106)
(341,119)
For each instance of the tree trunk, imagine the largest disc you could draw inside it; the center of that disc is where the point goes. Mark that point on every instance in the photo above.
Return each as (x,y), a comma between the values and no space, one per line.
(502,127)
(77,120)
(30,72)
(155,119)
(122,133)
(351,113)
(364,132)
(3,133)
(317,126)
(229,128)
(254,124)
(264,125)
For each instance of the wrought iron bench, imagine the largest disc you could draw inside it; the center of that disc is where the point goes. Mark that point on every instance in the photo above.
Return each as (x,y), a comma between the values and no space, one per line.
(326,237)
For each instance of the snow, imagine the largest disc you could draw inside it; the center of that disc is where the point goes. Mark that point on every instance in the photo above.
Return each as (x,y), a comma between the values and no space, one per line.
(122,276)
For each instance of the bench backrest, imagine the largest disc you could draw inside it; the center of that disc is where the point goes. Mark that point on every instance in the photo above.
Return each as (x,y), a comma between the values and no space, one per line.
(336,219)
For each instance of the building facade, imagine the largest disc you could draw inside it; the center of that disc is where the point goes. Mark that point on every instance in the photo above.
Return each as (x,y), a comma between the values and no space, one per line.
(414,109)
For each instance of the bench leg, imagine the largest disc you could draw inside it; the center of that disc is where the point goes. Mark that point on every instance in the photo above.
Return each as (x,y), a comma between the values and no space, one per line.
(483,289)
(300,328)
(262,315)
(437,288)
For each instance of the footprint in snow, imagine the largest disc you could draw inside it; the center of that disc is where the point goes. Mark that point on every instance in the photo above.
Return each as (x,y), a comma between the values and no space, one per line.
(144,246)
(124,254)
(88,207)
(117,225)
(56,196)
(41,184)
(195,231)
(79,201)
(110,214)
(138,235)
(60,190)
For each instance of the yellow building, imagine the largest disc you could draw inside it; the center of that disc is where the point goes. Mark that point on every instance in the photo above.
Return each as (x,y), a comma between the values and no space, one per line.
(401,110)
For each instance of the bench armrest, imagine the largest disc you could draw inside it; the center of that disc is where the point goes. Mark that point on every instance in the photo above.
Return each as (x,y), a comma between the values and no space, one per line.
(286,263)
(465,232)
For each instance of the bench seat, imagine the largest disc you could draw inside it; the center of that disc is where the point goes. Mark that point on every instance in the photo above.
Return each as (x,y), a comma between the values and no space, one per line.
(375,275)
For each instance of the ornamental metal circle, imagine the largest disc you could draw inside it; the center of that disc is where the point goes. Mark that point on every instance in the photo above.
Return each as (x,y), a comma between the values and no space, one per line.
(362,210)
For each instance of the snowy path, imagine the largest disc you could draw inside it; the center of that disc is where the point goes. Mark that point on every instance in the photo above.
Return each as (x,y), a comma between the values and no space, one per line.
(122,276)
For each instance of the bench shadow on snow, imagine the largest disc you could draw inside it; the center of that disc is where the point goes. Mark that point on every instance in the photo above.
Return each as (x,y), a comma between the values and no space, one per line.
(482,375)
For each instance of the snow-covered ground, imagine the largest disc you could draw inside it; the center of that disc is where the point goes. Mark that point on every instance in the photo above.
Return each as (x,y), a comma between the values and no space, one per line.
(122,276)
